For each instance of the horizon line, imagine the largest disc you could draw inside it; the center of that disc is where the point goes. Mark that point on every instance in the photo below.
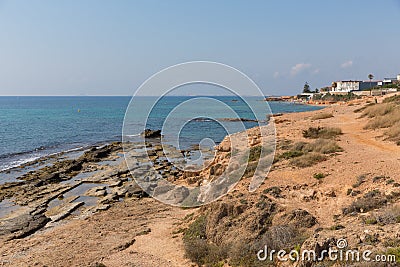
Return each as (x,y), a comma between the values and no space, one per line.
(121,95)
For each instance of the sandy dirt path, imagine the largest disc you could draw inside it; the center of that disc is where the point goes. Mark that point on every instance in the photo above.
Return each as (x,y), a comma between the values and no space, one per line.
(130,233)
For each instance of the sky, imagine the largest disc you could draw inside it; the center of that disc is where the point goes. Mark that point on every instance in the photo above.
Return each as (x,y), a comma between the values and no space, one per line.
(100,47)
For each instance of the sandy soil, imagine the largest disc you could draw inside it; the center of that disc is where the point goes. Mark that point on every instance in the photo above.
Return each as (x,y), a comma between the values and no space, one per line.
(130,233)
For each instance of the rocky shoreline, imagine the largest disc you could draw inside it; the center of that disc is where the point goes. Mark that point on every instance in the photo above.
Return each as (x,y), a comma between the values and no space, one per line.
(91,183)
(87,184)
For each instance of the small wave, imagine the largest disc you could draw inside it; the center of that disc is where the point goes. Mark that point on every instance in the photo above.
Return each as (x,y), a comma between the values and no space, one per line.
(18,163)
(33,155)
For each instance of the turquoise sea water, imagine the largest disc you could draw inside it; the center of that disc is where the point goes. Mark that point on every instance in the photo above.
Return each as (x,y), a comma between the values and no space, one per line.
(33,127)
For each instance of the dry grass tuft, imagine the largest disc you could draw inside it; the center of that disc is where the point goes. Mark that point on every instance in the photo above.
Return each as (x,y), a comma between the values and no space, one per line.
(308,160)
(378,110)
(322,116)
(302,154)
(323,146)
(384,121)
(322,132)
(385,115)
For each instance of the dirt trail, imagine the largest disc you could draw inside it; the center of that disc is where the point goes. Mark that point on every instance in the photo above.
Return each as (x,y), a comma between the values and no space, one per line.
(352,125)
(156,248)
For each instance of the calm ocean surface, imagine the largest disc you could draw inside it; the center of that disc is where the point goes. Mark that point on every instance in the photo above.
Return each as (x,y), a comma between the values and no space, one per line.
(33,127)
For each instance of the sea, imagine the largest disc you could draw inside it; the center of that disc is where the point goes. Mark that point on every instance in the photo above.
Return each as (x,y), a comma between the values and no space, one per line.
(33,127)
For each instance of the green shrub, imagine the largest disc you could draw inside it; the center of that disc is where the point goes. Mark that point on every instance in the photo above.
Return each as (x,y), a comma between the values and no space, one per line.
(197,229)
(291,154)
(250,169)
(337,227)
(395,252)
(371,220)
(254,153)
(319,176)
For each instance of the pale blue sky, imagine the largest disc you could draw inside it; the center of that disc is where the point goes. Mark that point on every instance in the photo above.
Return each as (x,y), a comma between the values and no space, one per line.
(88,47)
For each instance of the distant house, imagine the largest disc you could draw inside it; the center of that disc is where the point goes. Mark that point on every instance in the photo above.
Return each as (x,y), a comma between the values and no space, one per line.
(345,86)
(350,86)
(305,96)
(389,81)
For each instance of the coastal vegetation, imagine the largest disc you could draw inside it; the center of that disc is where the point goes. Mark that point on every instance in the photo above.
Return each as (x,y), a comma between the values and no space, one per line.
(385,115)
(303,154)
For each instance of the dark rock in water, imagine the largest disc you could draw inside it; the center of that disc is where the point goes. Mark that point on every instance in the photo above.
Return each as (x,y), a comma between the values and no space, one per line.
(148,133)
(73,166)
(49,178)
(95,154)
(238,119)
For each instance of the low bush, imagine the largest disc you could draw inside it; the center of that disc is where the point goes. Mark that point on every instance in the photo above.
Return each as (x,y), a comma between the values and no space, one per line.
(308,160)
(322,116)
(291,154)
(322,132)
(323,146)
(273,191)
(299,146)
(395,252)
(370,201)
(245,254)
(254,154)
(319,176)
(283,237)
(198,249)
(390,215)
(250,169)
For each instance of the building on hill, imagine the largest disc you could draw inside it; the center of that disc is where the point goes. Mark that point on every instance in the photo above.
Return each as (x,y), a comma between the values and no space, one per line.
(345,86)
(350,86)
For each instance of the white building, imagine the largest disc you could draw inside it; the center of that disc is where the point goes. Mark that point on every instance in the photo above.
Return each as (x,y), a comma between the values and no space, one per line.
(350,86)
(346,86)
